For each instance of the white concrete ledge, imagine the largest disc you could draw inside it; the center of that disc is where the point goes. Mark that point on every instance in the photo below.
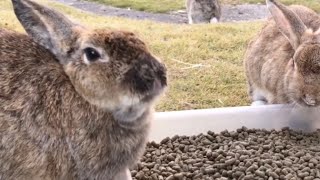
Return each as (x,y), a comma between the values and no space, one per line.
(193,122)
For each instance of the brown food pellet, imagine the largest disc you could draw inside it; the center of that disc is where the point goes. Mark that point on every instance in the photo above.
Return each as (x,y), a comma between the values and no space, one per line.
(241,154)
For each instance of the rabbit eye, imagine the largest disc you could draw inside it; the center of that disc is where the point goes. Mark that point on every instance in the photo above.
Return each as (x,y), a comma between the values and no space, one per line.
(91,54)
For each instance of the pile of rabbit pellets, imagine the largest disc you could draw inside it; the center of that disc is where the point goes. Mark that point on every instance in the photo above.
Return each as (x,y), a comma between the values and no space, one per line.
(242,154)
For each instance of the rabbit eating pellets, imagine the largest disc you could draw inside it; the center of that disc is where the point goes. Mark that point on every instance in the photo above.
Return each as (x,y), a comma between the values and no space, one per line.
(283,62)
(75,103)
(203,11)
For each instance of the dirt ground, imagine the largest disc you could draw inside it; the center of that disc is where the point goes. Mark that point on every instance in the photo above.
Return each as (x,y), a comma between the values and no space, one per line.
(245,12)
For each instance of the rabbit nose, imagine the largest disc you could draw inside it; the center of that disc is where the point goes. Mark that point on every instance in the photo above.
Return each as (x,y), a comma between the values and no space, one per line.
(146,76)
(309,100)
(143,79)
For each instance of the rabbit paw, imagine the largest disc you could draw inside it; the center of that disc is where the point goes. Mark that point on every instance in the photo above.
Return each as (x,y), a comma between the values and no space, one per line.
(258,103)
(124,175)
(214,20)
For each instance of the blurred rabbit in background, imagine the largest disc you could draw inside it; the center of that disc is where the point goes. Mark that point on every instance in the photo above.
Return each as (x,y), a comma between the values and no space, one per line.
(203,11)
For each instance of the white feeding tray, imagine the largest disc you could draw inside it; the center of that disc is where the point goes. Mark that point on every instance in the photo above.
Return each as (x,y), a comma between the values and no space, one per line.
(193,122)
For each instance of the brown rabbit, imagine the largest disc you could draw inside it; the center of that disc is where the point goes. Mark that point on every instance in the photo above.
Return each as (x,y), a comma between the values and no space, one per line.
(75,103)
(283,62)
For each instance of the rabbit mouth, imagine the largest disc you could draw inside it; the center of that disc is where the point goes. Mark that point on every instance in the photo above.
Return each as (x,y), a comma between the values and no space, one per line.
(157,89)
(133,107)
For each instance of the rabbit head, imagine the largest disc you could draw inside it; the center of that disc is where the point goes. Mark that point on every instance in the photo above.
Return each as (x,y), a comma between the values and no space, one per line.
(303,70)
(111,69)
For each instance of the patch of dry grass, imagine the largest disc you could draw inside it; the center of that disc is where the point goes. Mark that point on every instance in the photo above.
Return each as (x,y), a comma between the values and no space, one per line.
(204,61)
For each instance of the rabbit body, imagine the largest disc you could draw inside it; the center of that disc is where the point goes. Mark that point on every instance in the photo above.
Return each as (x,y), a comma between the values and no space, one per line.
(278,69)
(37,137)
(203,11)
(52,124)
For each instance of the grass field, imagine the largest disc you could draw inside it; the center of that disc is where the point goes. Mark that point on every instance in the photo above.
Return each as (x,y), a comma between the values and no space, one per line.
(204,61)
(161,6)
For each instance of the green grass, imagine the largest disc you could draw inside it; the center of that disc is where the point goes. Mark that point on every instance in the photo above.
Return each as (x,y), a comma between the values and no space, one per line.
(204,61)
(161,6)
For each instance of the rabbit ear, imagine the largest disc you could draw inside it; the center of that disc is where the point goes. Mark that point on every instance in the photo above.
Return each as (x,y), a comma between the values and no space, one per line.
(288,22)
(47,27)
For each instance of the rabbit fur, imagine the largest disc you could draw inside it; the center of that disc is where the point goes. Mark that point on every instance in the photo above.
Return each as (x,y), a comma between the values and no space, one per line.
(203,11)
(283,61)
(75,102)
